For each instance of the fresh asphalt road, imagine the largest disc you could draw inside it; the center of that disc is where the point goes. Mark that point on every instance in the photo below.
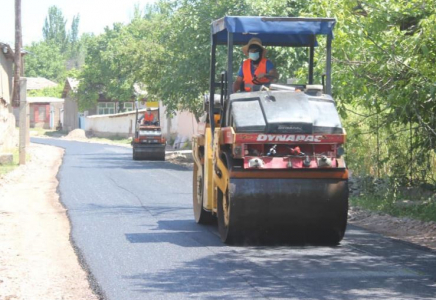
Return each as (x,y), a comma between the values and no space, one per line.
(133,226)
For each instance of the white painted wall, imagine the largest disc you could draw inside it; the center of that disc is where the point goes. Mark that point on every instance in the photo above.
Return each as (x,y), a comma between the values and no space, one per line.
(7,119)
(181,127)
(122,124)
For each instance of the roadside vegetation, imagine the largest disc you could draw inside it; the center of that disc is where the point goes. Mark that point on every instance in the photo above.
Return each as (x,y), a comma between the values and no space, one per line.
(6,168)
(421,209)
(388,196)
(384,54)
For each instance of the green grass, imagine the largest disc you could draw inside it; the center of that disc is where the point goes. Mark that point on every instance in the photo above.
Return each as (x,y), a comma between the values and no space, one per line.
(15,162)
(41,132)
(424,210)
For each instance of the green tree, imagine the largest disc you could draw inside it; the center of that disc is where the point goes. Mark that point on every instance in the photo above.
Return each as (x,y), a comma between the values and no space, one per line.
(54,28)
(384,53)
(74,33)
(167,50)
(45,60)
(59,51)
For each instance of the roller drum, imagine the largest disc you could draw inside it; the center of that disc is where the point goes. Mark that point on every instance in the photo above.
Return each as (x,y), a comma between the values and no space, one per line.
(148,152)
(308,211)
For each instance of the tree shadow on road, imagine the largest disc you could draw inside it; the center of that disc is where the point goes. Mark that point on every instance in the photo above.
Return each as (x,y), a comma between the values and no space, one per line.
(183,233)
(284,272)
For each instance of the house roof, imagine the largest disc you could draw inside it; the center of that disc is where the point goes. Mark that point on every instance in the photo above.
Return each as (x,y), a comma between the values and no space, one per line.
(71,84)
(44,100)
(39,83)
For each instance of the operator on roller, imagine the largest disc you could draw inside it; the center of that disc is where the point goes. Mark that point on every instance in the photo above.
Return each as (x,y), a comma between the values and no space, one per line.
(256,69)
(148,117)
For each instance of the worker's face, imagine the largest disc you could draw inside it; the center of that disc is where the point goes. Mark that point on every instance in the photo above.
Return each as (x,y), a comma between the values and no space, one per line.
(253,54)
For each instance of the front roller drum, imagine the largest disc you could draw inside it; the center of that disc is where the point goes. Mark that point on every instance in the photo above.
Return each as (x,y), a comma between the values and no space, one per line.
(302,211)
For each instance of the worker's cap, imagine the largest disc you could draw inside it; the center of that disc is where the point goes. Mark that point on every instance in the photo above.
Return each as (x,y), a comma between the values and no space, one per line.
(253,41)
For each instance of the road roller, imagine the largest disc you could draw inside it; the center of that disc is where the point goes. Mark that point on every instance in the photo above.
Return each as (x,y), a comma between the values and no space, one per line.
(148,142)
(269,162)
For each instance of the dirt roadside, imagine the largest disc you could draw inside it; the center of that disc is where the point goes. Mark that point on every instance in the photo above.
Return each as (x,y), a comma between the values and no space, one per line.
(37,260)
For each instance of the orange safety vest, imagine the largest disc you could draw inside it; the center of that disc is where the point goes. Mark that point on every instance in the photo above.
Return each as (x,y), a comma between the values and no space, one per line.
(248,77)
(148,117)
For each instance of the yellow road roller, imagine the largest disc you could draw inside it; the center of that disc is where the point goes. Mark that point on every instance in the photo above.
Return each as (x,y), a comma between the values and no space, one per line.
(268,160)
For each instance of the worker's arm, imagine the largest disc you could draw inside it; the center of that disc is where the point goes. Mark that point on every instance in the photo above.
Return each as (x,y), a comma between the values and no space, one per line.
(237,84)
(272,72)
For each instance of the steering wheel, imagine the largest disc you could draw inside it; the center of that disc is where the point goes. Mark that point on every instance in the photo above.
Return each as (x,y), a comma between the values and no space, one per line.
(267,76)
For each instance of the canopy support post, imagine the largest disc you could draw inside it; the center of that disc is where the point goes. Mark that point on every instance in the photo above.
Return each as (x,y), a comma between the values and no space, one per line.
(328,70)
(229,63)
(311,55)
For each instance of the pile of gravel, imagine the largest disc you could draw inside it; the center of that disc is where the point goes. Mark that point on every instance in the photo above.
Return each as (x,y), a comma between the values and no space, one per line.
(76,134)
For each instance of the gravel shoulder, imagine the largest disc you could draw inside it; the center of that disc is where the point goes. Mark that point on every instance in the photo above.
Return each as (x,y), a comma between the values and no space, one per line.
(37,260)
(405,229)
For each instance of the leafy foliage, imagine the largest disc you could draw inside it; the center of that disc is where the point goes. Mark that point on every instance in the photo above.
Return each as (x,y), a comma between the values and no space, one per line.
(166,50)
(384,83)
(55,91)
(45,60)
(54,28)
(61,50)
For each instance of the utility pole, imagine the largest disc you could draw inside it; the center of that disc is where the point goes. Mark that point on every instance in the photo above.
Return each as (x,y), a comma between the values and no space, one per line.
(21,99)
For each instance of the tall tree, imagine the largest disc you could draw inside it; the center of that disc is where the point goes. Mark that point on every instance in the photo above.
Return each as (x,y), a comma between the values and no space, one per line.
(74,33)
(54,30)
(60,50)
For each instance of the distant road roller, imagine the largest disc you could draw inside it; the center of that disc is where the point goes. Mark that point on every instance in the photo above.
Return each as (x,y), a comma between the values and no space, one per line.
(269,163)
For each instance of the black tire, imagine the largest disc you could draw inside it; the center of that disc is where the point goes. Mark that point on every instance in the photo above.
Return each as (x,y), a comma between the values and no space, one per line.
(226,221)
(223,226)
(200,214)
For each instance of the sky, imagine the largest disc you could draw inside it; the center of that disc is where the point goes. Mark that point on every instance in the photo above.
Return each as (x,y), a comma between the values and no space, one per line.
(95,15)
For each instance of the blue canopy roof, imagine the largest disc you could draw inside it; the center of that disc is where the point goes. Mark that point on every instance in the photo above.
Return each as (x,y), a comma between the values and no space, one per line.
(273,31)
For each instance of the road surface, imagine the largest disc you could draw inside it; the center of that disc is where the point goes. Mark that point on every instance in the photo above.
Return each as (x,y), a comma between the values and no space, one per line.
(133,227)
